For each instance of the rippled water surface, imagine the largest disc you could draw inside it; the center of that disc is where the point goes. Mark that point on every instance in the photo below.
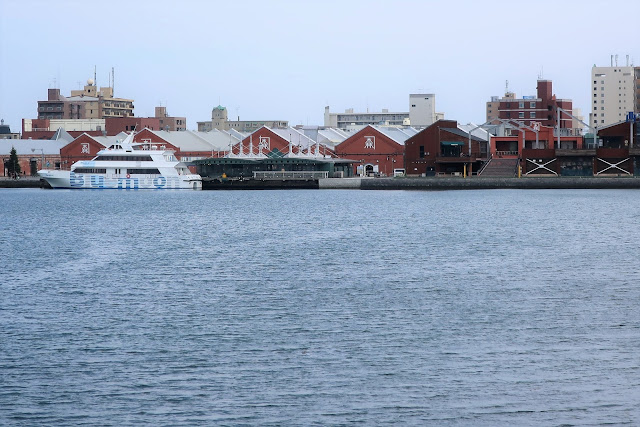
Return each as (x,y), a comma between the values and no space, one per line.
(320,307)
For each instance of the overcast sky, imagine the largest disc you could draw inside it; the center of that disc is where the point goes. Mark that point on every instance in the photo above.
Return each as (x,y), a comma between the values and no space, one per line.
(287,60)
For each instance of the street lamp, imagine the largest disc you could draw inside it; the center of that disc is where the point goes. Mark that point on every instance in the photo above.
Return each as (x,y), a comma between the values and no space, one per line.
(33,150)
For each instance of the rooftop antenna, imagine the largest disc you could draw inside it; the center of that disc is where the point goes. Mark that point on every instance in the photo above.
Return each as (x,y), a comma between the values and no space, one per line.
(541,75)
(627,60)
(506,87)
(113,81)
(95,75)
(616,59)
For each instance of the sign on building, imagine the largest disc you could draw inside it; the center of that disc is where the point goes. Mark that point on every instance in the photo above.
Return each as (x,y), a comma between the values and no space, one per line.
(370,142)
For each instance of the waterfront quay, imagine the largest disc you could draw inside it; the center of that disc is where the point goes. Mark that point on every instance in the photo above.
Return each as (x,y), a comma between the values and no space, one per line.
(429,183)
(404,183)
(23,182)
(478,183)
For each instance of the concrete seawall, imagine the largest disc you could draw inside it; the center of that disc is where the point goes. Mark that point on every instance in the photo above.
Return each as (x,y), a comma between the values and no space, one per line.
(432,183)
(24,182)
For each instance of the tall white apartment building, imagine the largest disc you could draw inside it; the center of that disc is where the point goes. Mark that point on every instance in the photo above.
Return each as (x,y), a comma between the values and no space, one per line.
(615,91)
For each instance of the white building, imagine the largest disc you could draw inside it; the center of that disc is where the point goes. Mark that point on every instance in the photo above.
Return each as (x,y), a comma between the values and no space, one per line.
(613,93)
(422,113)
(70,125)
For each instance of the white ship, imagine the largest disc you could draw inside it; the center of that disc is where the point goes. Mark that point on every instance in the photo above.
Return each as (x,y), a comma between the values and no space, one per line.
(127,165)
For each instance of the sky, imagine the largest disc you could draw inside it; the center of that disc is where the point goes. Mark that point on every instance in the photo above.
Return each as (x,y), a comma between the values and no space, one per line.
(287,60)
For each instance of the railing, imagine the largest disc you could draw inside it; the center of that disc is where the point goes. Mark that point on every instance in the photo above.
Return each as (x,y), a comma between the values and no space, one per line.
(484,166)
(291,175)
(506,153)
(459,156)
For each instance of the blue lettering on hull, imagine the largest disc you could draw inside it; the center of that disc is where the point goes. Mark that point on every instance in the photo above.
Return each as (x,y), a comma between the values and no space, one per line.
(102,182)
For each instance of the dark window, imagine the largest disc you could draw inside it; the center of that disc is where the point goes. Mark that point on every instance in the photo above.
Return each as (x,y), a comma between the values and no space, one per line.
(142,171)
(123,158)
(89,170)
(422,151)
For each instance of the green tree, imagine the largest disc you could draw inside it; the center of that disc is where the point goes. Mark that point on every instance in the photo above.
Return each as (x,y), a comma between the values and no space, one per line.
(14,164)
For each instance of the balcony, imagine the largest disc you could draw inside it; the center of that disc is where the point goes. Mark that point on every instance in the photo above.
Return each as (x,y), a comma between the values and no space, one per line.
(452,158)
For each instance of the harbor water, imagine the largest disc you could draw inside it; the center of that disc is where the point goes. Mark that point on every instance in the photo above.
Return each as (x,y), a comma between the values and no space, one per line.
(303,307)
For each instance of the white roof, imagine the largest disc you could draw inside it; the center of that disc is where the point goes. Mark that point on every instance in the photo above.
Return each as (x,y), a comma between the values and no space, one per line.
(238,134)
(107,141)
(478,133)
(62,134)
(327,136)
(194,141)
(398,134)
(31,147)
(220,140)
(293,136)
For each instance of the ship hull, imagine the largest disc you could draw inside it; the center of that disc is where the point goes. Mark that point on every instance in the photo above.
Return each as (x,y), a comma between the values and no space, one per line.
(70,180)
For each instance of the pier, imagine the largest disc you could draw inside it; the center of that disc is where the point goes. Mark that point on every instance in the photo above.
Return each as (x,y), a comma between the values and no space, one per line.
(476,183)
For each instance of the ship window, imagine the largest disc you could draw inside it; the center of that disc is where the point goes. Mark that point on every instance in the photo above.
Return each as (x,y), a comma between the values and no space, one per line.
(143,171)
(107,158)
(90,170)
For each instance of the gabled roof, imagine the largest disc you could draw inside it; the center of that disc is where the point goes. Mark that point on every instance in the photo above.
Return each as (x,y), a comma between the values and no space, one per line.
(397,134)
(220,140)
(107,141)
(476,131)
(293,136)
(462,133)
(185,140)
(62,135)
(31,147)
(333,136)
(327,136)
(237,134)
(611,125)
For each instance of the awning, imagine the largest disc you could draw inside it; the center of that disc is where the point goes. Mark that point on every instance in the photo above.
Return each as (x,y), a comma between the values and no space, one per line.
(451,143)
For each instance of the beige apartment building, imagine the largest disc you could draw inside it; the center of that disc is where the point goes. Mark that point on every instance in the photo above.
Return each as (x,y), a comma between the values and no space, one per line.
(87,103)
(615,92)
(220,121)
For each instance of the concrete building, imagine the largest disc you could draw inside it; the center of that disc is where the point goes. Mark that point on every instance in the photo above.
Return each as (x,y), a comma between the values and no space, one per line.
(5,132)
(170,123)
(45,128)
(351,119)
(87,103)
(422,110)
(615,92)
(220,120)
(493,106)
(422,113)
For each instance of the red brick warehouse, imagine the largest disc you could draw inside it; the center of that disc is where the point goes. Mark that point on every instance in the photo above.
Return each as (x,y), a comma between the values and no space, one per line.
(377,150)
